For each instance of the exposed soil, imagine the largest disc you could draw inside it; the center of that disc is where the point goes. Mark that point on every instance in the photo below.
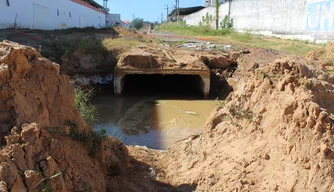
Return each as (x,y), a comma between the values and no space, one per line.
(37,118)
(273,133)
(323,55)
(155,58)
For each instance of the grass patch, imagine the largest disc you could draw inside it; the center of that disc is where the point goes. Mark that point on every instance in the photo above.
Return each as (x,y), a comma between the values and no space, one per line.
(82,102)
(121,44)
(184,29)
(58,48)
(157,41)
(237,112)
(93,141)
(226,36)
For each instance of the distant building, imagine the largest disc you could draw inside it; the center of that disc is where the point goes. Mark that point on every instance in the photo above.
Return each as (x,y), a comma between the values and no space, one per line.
(51,14)
(183,12)
(114,19)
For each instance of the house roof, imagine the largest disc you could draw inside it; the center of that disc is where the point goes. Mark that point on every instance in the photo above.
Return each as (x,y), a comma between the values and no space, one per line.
(187,10)
(91,4)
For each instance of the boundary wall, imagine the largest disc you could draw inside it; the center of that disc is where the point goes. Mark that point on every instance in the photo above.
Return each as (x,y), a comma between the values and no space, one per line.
(311,20)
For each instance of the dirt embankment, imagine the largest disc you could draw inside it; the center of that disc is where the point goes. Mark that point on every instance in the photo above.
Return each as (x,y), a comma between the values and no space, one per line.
(274,133)
(46,144)
(324,56)
(91,61)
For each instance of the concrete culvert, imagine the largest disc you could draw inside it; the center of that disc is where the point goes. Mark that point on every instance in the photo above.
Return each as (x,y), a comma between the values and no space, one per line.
(170,84)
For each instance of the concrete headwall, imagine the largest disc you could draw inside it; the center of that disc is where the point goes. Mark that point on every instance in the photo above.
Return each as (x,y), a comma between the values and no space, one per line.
(49,14)
(311,20)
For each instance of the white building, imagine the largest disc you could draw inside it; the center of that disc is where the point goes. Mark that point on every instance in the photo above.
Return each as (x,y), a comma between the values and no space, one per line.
(50,14)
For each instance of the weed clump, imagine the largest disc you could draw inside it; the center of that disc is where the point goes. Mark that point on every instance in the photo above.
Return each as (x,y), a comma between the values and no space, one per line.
(82,102)
(237,112)
(93,141)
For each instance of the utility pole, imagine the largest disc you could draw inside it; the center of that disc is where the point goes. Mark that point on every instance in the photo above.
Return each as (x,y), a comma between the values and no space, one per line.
(167,7)
(217,14)
(178,10)
(162,17)
(106,9)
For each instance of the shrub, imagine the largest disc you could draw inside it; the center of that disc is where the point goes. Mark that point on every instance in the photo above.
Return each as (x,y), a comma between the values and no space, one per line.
(227,23)
(137,23)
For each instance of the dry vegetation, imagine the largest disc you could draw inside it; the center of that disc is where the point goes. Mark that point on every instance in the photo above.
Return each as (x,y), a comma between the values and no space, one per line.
(229,36)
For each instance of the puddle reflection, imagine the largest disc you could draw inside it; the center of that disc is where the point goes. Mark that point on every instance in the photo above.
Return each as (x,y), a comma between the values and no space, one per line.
(152,122)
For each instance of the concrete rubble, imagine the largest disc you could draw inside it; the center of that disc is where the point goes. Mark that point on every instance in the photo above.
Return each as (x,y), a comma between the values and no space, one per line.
(200,46)
(92,80)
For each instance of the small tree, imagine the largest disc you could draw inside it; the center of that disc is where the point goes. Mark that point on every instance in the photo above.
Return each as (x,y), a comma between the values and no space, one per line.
(137,23)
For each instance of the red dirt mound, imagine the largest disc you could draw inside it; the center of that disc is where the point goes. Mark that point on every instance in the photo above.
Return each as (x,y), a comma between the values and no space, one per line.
(323,55)
(274,133)
(49,145)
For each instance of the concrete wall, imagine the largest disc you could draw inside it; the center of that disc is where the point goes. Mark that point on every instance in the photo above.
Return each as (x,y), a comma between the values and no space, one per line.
(48,14)
(311,20)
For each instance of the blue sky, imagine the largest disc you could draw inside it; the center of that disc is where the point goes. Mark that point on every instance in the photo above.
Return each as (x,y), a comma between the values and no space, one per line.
(149,10)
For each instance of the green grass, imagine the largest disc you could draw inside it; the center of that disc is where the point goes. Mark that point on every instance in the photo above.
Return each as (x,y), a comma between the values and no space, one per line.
(192,30)
(225,36)
(122,44)
(157,41)
(92,140)
(58,48)
(82,102)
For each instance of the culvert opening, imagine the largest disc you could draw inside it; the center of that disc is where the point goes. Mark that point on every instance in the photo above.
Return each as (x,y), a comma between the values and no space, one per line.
(164,84)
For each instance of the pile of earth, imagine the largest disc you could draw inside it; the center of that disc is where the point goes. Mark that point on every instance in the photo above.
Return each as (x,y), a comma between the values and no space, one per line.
(273,133)
(45,143)
(122,31)
(323,55)
(92,60)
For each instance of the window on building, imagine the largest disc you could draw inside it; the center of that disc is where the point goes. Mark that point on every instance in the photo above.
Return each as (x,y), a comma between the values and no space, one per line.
(70,14)
(57,12)
(7,3)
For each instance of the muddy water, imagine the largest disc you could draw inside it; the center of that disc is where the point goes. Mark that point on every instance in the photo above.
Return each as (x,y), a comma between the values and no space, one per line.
(154,122)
